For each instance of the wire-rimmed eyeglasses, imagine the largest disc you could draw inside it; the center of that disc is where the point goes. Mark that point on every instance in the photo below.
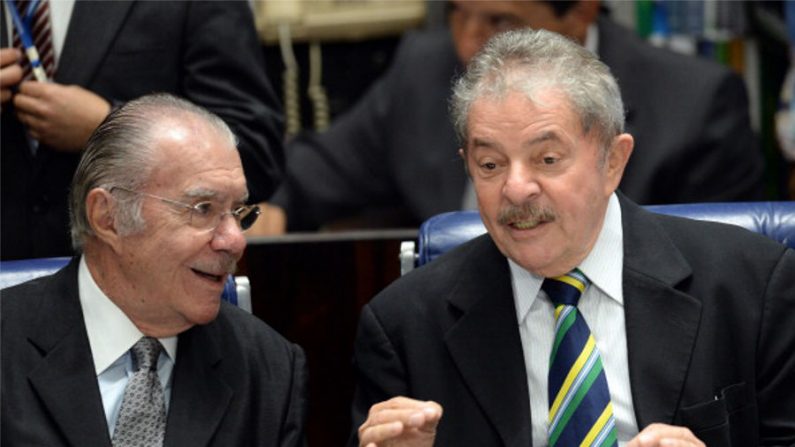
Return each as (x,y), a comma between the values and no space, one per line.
(206,215)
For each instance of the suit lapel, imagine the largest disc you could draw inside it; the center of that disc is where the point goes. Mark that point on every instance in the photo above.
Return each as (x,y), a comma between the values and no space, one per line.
(199,396)
(662,322)
(65,379)
(486,346)
(92,29)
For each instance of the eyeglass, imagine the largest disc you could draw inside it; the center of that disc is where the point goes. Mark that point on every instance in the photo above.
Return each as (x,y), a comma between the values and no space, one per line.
(206,215)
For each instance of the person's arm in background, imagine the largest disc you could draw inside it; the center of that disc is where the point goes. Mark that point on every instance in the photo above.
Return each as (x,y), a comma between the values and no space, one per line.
(729,161)
(60,116)
(339,172)
(224,72)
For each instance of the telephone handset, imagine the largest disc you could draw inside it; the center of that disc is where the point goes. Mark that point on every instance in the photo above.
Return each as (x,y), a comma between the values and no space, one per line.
(314,21)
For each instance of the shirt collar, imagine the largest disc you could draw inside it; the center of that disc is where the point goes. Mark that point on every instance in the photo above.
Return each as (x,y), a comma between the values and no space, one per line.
(603,266)
(110,332)
(605,263)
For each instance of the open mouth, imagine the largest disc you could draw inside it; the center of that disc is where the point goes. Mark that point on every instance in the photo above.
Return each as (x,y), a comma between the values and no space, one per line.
(209,276)
(527,224)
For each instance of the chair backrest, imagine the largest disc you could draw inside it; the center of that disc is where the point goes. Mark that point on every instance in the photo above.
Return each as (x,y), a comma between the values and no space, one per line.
(236,290)
(440,233)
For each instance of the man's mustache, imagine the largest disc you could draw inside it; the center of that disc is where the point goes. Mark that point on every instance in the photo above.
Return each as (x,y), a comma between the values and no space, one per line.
(528,212)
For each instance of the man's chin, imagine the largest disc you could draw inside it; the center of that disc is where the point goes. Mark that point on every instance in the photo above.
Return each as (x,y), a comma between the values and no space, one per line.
(207,313)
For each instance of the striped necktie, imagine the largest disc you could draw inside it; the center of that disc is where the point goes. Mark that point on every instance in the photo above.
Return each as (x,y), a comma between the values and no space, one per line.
(580,412)
(36,16)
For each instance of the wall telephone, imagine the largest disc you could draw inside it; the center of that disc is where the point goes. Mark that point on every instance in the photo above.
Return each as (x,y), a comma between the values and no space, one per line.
(315,21)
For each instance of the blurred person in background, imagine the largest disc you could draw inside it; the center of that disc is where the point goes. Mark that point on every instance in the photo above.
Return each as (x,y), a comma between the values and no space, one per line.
(391,160)
(101,54)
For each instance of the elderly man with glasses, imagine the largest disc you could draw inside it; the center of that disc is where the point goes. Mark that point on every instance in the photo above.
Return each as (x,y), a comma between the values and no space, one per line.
(157,210)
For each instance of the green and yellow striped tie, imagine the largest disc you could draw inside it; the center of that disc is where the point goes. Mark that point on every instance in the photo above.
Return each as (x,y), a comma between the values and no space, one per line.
(580,412)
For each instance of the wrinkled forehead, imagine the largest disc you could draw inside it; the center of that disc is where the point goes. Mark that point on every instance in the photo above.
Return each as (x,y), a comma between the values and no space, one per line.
(535,97)
(184,125)
(194,155)
(188,135)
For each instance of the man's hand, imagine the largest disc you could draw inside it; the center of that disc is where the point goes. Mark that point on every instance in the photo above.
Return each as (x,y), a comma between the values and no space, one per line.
(400,422)
(662,435)
(10,72)
(60,116)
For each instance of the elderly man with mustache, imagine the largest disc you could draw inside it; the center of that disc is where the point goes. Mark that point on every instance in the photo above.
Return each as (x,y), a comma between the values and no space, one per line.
(580,319)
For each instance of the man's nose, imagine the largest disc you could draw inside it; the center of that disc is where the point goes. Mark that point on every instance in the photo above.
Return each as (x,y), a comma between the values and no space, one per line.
(520,185)
(228,236)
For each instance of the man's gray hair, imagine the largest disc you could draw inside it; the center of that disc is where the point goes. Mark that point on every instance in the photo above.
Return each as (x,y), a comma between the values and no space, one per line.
(531,61)
(121,153)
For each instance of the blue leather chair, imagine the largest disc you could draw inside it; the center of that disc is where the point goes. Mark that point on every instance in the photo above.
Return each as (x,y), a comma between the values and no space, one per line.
(440,233)
(236,289)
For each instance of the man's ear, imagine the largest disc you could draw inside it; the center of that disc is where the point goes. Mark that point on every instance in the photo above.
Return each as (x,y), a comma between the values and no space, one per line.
(100,207)
(617,159)
(462,153)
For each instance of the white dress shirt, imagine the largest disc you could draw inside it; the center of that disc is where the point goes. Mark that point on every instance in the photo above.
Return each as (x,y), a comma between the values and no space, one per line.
(111,335)
(602,306)
(60,15)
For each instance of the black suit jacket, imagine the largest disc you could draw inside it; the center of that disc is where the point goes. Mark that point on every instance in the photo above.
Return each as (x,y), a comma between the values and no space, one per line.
(396,147)
(709,312)
(205,51)
(236,381)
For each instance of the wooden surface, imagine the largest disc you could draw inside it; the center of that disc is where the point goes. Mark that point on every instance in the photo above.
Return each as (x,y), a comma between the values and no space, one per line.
(310,288)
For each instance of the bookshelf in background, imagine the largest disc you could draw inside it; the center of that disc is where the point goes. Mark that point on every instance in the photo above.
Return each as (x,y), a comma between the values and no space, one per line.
(740,34)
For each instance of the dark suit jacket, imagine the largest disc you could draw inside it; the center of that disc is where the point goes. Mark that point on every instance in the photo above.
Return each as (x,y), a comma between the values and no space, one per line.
(397,148)
(207,52)
(709,312)
(236,382)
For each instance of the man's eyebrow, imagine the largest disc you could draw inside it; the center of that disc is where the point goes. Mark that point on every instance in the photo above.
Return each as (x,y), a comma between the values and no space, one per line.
(210,194)
(479,142)
(543,138)
(549,135)
(201,193)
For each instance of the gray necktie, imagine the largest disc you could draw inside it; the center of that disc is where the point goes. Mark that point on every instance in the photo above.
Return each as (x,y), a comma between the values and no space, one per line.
(142,417)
